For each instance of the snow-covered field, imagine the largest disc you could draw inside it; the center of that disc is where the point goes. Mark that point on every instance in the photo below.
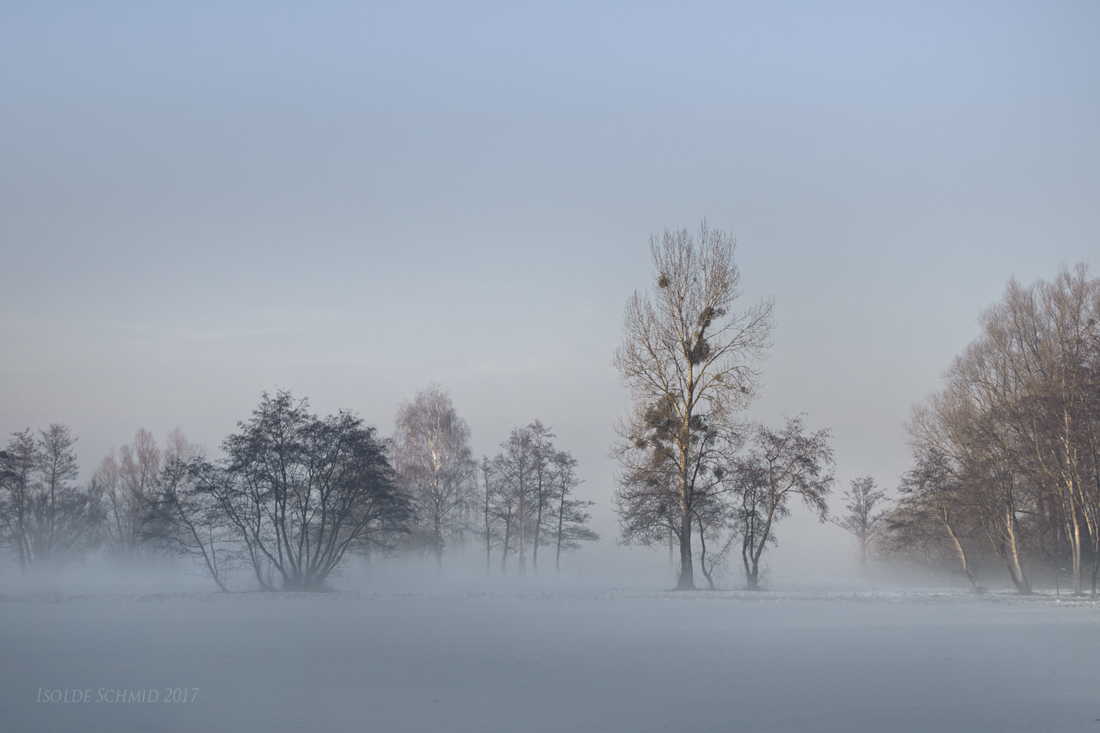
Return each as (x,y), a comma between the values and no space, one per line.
(527,657)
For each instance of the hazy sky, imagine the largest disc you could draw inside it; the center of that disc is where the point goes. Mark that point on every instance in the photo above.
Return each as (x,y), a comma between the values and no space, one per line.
(201,202)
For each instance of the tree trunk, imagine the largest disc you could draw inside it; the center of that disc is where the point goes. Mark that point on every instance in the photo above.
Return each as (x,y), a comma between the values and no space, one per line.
(1078,587)
(561,523)
(752,571)
(703,558)
(522,532)
(1016,570)
(687,575)
(507,541)
(538,528)
(962,554)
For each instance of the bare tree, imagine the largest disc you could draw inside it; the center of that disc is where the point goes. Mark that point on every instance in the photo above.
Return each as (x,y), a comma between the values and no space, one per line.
(299,491)
(503,504)
(126,487)
(17,477)
(542,486)
(184,515)
(971,422)
(516,472)
(862,520)
(933,521)
(780,464)
(1048,335)
(435,467)
(570,518)
(690,364)
(491,526)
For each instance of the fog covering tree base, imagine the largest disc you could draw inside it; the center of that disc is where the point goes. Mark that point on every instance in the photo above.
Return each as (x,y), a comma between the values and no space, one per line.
(552,658)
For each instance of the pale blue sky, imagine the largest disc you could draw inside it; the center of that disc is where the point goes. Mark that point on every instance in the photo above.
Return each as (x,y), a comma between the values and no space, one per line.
(200,202)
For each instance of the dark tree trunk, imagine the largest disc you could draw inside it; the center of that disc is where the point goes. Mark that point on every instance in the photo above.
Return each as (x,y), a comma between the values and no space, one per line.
(687,574)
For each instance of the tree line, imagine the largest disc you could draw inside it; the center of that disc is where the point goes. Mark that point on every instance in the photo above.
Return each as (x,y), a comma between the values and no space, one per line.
(1006,456)
(294,494)
(1006,460)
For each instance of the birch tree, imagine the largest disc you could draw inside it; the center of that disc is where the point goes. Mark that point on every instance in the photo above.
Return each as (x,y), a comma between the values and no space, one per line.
(435,467)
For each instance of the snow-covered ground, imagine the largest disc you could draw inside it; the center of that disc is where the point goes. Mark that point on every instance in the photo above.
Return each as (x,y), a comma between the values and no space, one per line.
(543,657)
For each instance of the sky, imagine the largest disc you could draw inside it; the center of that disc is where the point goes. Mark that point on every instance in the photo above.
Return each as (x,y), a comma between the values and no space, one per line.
(201,202)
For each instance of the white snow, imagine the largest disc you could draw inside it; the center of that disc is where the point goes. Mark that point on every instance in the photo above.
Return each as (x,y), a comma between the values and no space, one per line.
(544,657)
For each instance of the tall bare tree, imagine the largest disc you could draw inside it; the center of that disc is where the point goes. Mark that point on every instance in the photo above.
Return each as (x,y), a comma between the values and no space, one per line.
(971,421)
(542,488)
(1047,335)
(863,519)
(689,361)
(491,526)
(516,472)
(527,501)
(435,467)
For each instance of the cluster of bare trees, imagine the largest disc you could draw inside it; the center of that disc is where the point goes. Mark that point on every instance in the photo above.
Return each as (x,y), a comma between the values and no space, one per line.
(1007,455)
(292,495)
(692,468)
(526,501)
(126,484)
(514,503)
(45,517)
